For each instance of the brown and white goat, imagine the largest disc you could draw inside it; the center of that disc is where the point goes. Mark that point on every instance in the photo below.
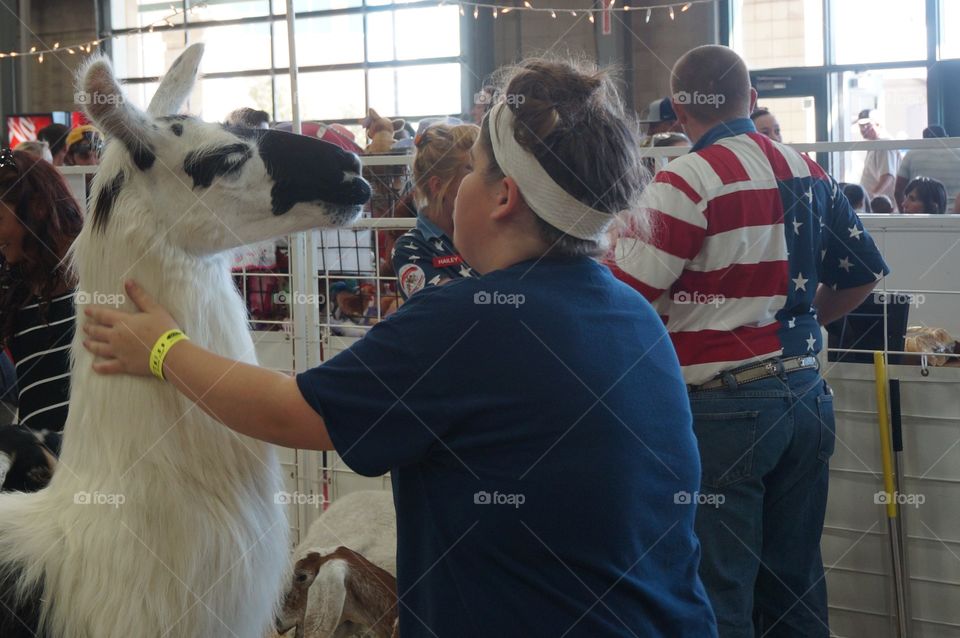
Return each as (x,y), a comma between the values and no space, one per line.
(350,590)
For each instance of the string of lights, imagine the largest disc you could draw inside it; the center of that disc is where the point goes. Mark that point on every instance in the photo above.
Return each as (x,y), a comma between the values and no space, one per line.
(497,10)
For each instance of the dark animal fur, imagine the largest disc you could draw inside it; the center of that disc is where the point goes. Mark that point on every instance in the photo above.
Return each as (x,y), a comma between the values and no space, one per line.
(105,198)
(19,616)
(31,469)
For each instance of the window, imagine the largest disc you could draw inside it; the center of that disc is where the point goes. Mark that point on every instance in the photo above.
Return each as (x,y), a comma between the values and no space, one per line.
(365,54)
(949,29)
(872,31)
(796,116)
(411,89)
(779,33)
(900,97)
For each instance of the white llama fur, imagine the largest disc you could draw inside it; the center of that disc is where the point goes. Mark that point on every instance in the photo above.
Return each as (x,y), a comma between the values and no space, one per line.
(199,545)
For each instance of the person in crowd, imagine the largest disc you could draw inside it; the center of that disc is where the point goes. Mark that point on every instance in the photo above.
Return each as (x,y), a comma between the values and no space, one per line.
(660,117)
(941,164)
(36,148)
(664,140)
(246,117)
(482,102)
(882,205)
(766,123)
(745,278)
(956,206)
(84,144)
(55,135)
(39,219)
(425,256)
(925,195)
(461,394)
(880,167)
(857,197)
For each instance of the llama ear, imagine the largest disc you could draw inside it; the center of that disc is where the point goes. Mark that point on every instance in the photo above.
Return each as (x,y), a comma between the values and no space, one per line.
(108,108)
(177,82)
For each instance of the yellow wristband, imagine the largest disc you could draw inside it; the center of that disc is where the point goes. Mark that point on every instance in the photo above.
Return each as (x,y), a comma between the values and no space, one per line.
(161,348)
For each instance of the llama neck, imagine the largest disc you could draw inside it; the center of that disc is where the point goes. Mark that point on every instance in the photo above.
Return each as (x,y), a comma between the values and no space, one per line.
(115,420)
(197,291)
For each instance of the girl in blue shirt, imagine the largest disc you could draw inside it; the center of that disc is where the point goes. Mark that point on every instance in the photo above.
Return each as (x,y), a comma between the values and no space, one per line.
(425,255)
(534,419)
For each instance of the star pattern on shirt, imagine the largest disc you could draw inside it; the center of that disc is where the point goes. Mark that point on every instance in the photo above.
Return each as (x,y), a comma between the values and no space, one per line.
(796,226)
(846,264)
(465,271)
(855,232)
(792,322)
(810,196)
(811,342)
(800,282)
(438,245)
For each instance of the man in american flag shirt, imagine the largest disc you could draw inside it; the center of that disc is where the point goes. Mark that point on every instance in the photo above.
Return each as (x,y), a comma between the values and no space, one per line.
(752,248)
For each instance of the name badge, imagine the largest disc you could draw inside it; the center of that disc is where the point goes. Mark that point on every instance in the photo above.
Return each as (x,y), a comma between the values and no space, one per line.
(445,261)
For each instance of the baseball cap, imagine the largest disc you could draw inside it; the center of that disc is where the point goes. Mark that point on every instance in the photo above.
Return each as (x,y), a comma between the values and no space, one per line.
(659,111)
(79,133)
(867,116)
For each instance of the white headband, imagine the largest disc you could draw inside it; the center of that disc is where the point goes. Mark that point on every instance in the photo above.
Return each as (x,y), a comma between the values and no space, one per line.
(545,197)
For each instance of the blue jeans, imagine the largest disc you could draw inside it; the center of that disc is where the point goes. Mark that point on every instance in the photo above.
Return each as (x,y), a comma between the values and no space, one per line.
(765,448)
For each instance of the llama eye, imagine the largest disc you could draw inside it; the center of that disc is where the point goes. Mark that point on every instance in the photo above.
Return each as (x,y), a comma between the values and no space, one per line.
(223,162)
(301,578)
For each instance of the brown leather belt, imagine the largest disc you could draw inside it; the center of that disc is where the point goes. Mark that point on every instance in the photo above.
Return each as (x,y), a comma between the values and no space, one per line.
(731,379)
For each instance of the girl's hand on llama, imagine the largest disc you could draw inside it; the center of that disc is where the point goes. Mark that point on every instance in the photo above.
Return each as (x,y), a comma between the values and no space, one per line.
(122,341)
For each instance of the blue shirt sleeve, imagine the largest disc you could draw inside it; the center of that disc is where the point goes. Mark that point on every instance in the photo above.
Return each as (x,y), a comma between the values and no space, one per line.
(413,263)
(390,397)
(848,255)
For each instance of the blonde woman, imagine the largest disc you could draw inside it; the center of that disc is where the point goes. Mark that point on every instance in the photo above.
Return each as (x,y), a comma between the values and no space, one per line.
(425,256)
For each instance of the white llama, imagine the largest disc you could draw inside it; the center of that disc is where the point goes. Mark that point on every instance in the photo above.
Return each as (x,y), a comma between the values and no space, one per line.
(160,521)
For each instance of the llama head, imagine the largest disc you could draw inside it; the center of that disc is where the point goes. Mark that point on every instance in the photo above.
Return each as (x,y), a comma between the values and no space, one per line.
(204,187)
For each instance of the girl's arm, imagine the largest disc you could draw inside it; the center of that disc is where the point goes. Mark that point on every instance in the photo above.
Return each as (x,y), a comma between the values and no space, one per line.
(254,401)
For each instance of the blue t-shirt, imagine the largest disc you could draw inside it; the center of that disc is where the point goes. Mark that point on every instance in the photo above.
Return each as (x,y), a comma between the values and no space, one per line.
(542,454)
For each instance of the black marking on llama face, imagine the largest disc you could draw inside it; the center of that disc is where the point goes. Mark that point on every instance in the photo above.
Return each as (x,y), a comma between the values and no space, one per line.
(176,120)
(143,156)
(204,166)
(105,199)
(19,616)
(307,170)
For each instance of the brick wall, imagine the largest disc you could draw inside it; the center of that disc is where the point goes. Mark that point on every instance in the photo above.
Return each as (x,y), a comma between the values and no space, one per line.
(649,48)
(49,86)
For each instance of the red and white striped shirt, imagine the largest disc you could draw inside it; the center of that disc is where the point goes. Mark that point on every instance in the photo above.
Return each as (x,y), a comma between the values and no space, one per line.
(743,231)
